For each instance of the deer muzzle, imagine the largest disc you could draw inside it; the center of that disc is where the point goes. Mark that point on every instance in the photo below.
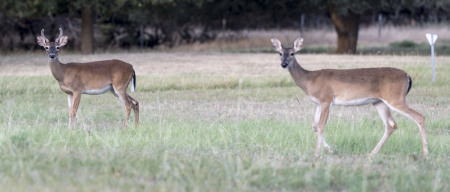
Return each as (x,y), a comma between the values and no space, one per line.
(52,52)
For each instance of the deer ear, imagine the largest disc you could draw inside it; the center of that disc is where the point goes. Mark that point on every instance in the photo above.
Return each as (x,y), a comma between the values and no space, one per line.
(298,43)
(41,41)
(276,44)
(62,41)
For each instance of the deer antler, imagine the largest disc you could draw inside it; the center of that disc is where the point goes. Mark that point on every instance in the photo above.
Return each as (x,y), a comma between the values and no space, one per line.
(60,34)
(42,34)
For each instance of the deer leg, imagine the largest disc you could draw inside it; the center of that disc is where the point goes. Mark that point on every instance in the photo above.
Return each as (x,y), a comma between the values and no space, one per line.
(389,123)
(315,127)
(70,102)
(316,119)
(320,121)
(76,101)
(135,106)
(418,118)
(114,92)
(123,97)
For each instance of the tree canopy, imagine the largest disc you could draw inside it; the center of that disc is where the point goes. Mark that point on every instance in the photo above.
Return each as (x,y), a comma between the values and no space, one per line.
(148,23)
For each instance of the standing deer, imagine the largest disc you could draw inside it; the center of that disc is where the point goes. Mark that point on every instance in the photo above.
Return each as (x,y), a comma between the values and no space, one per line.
(91,78)
(384,88)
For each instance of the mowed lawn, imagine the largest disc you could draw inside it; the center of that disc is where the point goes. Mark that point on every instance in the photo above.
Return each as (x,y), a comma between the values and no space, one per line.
(216,122)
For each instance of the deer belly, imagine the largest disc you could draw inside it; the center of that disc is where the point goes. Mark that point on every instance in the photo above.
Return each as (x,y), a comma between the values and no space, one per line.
(362,101)
(97,91)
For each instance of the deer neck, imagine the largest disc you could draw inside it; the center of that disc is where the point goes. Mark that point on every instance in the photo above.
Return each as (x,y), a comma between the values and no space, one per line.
(300,75)
(57,69)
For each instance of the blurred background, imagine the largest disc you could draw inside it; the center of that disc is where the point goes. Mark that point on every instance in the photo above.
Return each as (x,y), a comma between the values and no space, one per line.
(328,26)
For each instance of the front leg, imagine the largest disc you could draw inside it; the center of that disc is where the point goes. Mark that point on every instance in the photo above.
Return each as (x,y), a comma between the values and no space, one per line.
(70,102)
(320,120)
(76,102)
(316,119)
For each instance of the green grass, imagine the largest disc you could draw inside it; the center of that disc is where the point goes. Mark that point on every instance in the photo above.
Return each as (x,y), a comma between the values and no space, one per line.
(216,133)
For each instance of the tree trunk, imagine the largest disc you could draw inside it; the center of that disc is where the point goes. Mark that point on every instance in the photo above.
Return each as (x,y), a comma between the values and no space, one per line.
(347,27)
(87,30)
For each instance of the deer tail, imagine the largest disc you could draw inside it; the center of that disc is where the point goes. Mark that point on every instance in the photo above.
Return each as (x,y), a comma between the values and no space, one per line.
(133,82)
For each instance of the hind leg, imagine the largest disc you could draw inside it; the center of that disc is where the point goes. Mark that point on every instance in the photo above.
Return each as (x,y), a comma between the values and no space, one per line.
(122,95)
(389,123)
(135,107)
(405,110)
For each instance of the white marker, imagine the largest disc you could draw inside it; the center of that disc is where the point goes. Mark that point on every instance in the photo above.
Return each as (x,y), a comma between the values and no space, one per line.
(432,39)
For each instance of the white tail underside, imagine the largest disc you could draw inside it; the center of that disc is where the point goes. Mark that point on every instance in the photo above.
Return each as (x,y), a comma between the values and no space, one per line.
(132,85)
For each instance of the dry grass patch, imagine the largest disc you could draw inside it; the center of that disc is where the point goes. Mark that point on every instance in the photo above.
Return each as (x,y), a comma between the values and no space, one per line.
(214,64)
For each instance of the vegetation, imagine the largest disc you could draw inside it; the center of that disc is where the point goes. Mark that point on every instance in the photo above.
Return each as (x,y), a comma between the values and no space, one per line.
(403,44)
(218,122)
(120,24)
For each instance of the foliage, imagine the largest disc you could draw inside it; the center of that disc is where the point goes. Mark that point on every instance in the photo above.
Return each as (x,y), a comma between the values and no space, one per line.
(403,44)
(150,23)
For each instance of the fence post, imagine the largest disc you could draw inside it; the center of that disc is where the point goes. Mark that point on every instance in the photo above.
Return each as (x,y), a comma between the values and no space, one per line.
(302,24)
(432,39)
(380,24)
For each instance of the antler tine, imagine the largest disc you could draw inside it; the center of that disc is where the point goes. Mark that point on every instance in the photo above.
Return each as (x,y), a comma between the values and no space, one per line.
(42,34)
(60,34)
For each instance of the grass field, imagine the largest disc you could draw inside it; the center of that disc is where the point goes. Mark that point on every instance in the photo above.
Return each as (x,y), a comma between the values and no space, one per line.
(216,122)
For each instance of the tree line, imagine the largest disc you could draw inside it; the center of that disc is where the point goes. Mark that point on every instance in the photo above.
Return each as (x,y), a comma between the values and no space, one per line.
(123,24)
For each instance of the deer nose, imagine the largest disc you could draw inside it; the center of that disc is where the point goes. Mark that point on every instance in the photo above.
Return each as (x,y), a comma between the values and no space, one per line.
(52,55)
(284,65)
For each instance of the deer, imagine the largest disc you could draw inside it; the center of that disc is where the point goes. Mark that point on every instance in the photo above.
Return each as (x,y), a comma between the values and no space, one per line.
(92,78)
(385,88)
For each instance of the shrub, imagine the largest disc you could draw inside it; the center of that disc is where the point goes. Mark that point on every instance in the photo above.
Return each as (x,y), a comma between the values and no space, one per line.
(403,44)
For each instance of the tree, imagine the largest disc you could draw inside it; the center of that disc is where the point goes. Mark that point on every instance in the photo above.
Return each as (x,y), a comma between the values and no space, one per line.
(16,18)
(347,27)
(87,30)
(345,16)
(89,10)
(149,23)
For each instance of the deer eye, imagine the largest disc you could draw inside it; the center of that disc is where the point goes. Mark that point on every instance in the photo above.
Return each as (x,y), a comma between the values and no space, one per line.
(291,54)
(57,48)
(46,47)
(281,54)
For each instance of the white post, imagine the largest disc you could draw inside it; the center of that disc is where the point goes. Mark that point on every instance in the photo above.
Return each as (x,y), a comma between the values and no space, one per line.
(432,61)
(432,39)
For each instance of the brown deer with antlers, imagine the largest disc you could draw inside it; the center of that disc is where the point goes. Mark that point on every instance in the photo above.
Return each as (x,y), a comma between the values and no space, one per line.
(384,88)
(91,78)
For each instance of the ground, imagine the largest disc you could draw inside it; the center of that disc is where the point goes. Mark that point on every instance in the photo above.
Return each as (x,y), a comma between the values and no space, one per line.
(216,122)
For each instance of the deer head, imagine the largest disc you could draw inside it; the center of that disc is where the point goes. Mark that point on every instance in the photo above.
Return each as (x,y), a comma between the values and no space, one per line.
(51,47)
(287,54)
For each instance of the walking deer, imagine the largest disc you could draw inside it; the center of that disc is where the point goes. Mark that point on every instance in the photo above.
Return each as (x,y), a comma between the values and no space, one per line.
(384,88)
(91,78)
